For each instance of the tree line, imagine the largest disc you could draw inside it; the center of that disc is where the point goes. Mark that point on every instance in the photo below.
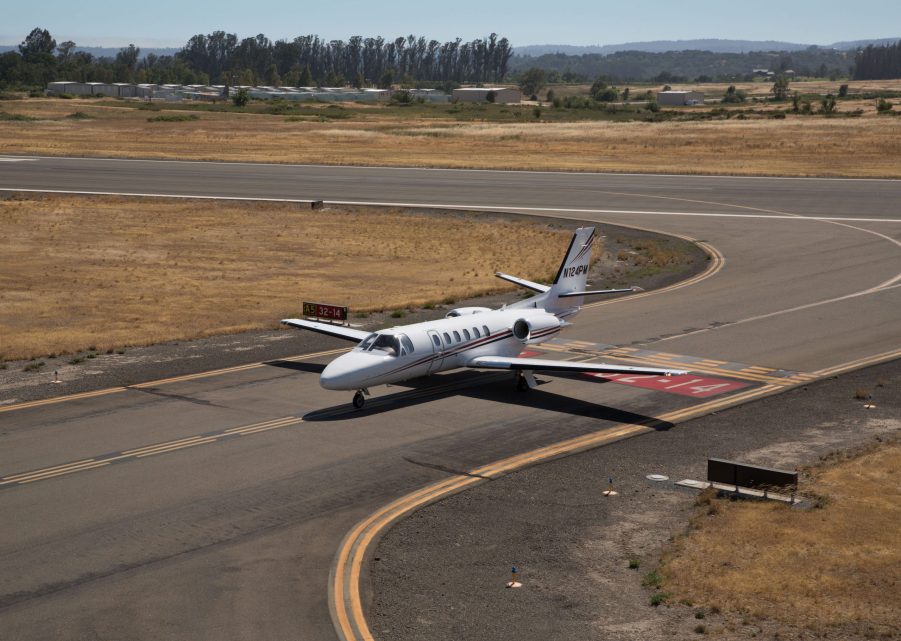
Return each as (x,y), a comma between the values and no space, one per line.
(878,63)
(685,66)
(223,58)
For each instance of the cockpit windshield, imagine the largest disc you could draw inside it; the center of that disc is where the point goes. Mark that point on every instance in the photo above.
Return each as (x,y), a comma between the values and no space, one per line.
(380,343)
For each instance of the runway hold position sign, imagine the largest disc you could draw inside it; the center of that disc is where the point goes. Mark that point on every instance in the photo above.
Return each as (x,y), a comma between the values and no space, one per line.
(685,384)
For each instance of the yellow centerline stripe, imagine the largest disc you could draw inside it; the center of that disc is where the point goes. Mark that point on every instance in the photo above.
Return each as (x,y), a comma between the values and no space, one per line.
(147,450)
(172,448)
(162,381)
(61,399)
(245,427)
(48,474)
(376,522)
(49,469)
(716,264)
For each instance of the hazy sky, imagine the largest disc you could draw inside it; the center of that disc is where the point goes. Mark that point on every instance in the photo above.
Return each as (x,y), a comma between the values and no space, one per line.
(170,23)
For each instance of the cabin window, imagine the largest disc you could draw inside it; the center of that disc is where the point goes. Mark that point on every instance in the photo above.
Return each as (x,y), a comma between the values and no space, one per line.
(436,340)
(457,336)
(406,345)
(466,334)
(447,340)
(475,330)
(486,330)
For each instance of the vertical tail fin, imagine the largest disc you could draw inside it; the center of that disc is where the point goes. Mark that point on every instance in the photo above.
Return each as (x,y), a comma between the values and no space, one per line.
(573,273)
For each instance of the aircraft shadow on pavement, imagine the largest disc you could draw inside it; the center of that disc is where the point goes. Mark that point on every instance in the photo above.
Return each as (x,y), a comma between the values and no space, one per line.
(493,387)
(313,368)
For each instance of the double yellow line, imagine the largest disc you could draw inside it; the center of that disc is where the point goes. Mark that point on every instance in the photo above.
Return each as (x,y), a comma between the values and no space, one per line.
(145,451)
(345,598)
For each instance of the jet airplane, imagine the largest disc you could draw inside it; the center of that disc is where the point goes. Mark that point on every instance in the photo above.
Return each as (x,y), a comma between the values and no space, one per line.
(474,337)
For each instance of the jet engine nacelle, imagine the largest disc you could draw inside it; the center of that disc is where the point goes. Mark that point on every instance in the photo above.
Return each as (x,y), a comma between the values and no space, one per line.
(467,311)
(534,328)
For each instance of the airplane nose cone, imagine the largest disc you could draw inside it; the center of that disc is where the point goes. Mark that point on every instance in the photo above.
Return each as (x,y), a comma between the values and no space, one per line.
(340,374)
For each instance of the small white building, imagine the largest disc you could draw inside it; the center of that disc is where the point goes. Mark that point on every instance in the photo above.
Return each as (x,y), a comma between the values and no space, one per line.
(680,98)
(503,95)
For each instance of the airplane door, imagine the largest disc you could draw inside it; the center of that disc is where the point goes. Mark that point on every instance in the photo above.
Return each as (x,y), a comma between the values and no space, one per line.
(437,349)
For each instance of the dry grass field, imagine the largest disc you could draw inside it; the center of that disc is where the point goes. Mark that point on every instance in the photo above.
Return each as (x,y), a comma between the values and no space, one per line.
(493,136)
(834,570)
(107,272)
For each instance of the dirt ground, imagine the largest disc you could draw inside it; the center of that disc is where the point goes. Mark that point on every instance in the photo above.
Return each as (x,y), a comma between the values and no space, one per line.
(108,272)
(506,137)
(587,561)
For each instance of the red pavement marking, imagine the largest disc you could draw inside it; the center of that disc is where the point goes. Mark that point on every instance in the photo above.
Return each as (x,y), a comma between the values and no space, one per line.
(528,354)
(685,384)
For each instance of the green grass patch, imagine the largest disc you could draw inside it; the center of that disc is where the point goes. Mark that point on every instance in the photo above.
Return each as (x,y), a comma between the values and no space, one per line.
(653,579)
(173,118)
(15,117)
(79,115)
(33,366)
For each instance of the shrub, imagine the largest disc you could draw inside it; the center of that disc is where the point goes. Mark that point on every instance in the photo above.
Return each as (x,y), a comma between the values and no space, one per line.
(827,105)
(15,117)
(734,95)
(173,118)
(241,98)
(33,366)
(659,597)
(701,628)
(652,106)
(398,313)
(883,106)
(401,97)
(634,564)
(653,579)
(79,115)
(537,113)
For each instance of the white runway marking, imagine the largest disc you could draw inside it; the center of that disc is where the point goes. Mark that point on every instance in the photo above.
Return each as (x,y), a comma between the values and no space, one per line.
(473,206)
(2,159)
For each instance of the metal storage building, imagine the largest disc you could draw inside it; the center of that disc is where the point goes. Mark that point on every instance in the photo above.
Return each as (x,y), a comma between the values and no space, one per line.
(480,94)
(680,98)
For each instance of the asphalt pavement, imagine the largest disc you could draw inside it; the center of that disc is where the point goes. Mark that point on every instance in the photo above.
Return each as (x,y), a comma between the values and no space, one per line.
(212,506)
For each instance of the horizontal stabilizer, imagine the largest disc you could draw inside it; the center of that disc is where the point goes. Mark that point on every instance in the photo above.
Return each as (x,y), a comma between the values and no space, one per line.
(522,282)
(538,364)
(338,331)
(600,292)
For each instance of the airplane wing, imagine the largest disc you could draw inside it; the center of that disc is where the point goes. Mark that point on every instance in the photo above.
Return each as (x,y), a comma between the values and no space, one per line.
(522,282)
(338,331)
(538,364)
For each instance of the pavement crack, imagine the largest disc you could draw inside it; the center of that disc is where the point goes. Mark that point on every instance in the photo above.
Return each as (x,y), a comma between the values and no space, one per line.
(444,468)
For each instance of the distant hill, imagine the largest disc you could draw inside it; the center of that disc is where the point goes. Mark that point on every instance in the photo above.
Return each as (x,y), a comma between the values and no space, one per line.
(709,44)
(108,52)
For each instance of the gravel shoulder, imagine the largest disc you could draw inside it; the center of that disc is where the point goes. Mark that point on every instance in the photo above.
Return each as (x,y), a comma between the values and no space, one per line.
(22,381)
(441,572)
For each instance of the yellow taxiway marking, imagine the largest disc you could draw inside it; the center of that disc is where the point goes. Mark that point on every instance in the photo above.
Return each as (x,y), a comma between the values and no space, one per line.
(145,451)
(345,596)
(163,381)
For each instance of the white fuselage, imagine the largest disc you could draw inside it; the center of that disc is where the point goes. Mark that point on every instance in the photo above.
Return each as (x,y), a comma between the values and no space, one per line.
(410,351)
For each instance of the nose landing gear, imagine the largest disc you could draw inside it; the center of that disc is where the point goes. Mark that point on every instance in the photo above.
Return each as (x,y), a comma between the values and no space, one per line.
(360,399)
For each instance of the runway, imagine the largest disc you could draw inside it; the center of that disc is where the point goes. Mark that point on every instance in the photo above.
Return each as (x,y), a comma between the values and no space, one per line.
(222,514)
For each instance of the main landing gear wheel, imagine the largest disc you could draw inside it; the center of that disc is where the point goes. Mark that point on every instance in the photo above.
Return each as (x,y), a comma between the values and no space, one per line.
(359,400)
(522,385)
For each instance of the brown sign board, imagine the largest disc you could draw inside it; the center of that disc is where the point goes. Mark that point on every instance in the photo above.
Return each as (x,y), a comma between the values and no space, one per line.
(750,476)
(324,311)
